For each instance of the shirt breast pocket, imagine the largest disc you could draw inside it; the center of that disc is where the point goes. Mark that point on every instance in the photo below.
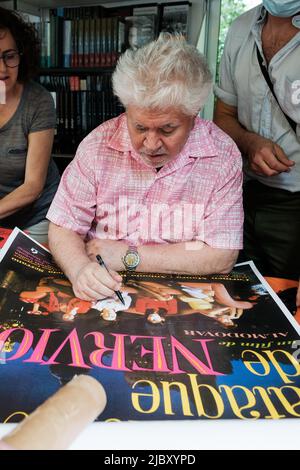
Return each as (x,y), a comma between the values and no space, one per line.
(290,99)
(17,151)
(13,166)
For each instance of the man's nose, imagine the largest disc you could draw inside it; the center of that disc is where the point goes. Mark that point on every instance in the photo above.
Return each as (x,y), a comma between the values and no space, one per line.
(152,141)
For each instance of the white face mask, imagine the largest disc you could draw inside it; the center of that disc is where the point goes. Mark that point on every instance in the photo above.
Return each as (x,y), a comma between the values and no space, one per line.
(281,8)
(296,21)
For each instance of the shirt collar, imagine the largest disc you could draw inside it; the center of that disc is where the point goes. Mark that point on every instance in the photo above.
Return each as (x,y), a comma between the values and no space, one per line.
(257,25)
(120,140)
(198,144)
(259,18)
(261,14)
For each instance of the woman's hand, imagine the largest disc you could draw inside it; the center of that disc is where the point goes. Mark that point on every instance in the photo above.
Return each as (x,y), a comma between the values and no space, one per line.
(222,297)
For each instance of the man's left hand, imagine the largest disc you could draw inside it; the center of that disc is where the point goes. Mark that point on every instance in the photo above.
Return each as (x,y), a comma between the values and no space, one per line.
(111,251)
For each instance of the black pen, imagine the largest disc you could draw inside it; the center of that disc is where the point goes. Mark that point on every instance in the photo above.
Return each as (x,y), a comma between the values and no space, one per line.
(117,292)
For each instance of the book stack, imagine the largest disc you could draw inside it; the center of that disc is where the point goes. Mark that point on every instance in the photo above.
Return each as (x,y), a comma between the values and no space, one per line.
(83,102)
(87,37)
(80,47)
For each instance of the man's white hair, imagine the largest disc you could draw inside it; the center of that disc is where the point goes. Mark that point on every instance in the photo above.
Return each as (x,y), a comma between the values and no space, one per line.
(165,73)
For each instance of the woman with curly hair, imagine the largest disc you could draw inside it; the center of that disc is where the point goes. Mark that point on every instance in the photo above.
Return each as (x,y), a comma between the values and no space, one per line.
(28,175)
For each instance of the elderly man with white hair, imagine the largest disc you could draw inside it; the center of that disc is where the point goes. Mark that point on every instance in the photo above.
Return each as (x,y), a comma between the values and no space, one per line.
(156,189)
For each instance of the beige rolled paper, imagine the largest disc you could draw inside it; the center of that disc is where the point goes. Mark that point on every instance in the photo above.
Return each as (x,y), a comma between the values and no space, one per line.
(4,446)
(56,423)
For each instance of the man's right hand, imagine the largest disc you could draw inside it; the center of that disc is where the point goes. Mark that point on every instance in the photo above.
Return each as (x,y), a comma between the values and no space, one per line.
(93,282)
(267,158)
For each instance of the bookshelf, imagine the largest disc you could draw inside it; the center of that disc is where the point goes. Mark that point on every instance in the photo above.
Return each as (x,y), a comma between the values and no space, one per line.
(81,42)
(83,99)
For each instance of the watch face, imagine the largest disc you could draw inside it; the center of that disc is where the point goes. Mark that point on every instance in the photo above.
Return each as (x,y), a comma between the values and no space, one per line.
(131,259)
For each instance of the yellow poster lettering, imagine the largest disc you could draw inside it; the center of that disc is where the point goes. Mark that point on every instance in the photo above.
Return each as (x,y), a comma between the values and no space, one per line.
(283,399)
(154,395)
(183,395)
(16,413)
(260,363)
(263,393)
(211,394)
(279,354)
(236,408)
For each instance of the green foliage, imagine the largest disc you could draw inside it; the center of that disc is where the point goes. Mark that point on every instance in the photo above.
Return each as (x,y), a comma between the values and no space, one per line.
(230,10)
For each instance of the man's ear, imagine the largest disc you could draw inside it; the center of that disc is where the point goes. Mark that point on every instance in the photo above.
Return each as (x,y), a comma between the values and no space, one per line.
(193,120)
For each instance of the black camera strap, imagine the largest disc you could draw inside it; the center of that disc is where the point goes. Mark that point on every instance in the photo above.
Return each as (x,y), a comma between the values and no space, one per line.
(264,71)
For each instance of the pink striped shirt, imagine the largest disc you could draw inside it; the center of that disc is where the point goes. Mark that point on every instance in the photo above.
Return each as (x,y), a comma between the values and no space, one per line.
(108,191)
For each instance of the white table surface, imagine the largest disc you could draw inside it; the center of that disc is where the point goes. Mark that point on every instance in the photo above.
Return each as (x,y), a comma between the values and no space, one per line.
(187,435)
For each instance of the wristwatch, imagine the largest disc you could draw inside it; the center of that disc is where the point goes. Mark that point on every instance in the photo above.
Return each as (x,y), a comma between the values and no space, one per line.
(131,258)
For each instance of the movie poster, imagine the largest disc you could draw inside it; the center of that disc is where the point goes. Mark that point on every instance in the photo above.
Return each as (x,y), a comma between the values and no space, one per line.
(182,347)
(4,234)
